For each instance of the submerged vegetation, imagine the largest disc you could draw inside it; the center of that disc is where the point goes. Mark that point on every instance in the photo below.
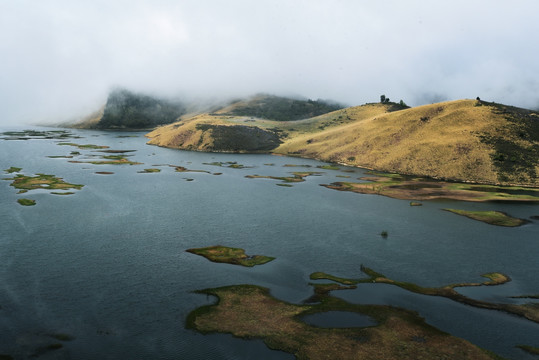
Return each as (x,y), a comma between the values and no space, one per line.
(37,134)
(298,176)
(529,311)
(249,311)
(40,181)
(229,164)
(84,146)
(235,256)
(114,161)
(413,188)
(490,217)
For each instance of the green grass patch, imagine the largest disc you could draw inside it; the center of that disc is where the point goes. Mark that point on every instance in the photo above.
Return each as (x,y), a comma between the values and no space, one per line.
(13,169)
(249,311)
(83,146)
(41,181)
(26,202)
(121,161)
(525,297)
(414,203)
(36,134)
(325,276)
(235,256)
(490,217)
(229,164)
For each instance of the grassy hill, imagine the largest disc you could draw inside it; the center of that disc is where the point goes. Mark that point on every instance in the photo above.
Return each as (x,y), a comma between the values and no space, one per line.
(462,140)
(125,109)
(128,110)
(278,108)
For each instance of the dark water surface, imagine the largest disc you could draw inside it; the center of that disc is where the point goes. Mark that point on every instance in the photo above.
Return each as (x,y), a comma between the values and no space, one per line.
(108,265)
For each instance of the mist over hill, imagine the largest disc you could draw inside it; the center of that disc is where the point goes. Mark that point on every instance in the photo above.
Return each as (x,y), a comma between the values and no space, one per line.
(279,108)
(125,109)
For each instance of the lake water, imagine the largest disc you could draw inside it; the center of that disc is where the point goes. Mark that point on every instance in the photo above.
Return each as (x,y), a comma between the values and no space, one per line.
(108,265)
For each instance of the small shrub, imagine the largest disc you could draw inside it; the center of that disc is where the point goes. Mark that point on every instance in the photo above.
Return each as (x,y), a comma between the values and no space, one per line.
(384,234)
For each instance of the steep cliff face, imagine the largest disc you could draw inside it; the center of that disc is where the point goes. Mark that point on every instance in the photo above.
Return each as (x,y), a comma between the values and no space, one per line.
(128,110)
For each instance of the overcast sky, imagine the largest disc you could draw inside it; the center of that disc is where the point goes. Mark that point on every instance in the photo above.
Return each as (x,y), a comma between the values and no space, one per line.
(60,58)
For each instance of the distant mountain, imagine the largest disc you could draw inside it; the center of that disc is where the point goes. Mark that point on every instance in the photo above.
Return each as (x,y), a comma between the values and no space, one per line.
(125,109)
(279,108)
(128,110)
(462,140)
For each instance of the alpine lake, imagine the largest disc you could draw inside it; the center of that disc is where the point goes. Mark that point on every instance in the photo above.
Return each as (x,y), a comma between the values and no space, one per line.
(103,271)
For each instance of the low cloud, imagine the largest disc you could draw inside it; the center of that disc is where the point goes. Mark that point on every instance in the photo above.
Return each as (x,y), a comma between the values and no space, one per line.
(60,58)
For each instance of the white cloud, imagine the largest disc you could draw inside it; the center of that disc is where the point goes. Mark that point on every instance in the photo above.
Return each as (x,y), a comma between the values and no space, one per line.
(61,57)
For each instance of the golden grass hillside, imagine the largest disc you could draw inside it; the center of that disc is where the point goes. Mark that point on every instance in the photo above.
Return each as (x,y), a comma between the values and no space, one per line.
(462,140)
(214,133)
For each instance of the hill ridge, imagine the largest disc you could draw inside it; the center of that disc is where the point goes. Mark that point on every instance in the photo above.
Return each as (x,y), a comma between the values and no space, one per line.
(460,140)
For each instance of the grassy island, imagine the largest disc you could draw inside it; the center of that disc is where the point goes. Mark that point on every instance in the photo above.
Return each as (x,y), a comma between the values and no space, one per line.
(249,311)
(109,160)
(184,169)
(411,188)
(324,276)
(36,134)
(13,169)
(26,202)
(230,164)
(41,181)
(298,176)
(152,170)
(529,311)
(235,256)
(490,217)
(84,146)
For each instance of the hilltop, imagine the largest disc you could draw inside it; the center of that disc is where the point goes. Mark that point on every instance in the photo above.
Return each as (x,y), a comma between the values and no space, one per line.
(125,109)
(461,140)
(128,110)
(278,108)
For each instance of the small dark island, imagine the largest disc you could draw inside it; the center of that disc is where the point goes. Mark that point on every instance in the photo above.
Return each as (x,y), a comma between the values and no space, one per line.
(229,255)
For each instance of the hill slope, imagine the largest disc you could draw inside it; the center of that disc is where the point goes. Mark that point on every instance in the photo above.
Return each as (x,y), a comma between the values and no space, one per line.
(128,110)
(125,109)
(278,108)
(463,140)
